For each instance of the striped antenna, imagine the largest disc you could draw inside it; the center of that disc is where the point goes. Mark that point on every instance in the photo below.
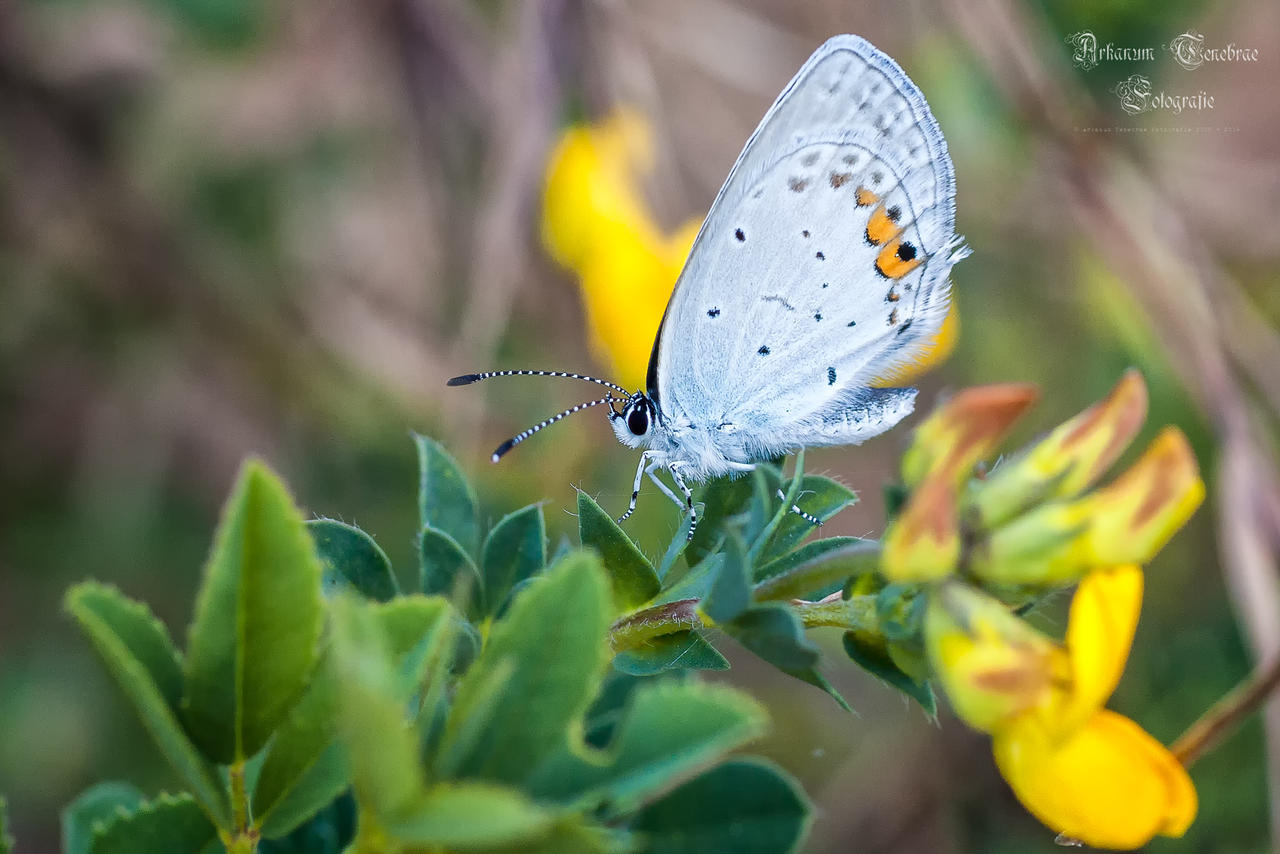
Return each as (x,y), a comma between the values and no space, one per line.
(517,439)
(468,379)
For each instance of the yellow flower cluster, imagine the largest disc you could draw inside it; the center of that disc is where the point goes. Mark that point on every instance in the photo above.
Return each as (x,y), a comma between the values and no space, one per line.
(1030,525)
(595,222)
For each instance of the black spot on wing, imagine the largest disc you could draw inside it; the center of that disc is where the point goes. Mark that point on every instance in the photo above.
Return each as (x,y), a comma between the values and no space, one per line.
(713,312)
(831,376)
(764,350)
(738,234)
(821,256)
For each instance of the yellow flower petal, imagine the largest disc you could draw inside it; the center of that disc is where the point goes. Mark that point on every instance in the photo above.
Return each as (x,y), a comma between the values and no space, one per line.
(1110,784)
(1104,616)
(1069,459)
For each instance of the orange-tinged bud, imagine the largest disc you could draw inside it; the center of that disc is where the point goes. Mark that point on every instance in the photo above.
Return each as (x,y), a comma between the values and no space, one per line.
(992,665)
(1068,460)
(964,430)
(923,543)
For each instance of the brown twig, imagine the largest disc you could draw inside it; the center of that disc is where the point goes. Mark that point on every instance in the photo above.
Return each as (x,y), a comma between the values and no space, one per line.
(1227,714)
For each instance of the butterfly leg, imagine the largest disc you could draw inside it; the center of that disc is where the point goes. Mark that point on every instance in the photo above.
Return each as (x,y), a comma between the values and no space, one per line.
(808,517)
(688,496)
(645,467)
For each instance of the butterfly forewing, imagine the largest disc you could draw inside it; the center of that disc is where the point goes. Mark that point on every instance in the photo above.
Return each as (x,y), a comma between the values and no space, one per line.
(824,259)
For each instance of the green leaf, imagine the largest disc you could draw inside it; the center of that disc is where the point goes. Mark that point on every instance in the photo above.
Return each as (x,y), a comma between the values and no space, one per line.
(6,840)
(470,816)
(722,499)
(304,768)
(252,646)
(514,551)
(818,496)
(381,745)
(139,656)
(632,576)
(695,583)
(95,806)
(552,645)
(774,633)
(329,831)
(352,560)
(684,650)
(730,595)
(740,807)
(446,501)
(445,569)
(678,544)
(871,654)
(174,824)
(817,568)
(671,731)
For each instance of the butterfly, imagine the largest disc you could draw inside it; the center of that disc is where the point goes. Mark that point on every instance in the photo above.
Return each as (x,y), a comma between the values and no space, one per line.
(822,266)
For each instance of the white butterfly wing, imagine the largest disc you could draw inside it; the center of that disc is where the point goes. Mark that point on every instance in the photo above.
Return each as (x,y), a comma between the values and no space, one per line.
(824,259)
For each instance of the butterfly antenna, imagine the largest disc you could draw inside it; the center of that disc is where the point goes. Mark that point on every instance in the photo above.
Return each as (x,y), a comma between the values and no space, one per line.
(520,437)
(468,379)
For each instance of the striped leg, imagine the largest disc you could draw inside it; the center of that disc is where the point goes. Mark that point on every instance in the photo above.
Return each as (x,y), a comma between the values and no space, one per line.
(808,517)
(688,497)
(641,470)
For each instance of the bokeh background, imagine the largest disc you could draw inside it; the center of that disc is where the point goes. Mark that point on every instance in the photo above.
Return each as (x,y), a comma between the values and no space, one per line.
(233,227)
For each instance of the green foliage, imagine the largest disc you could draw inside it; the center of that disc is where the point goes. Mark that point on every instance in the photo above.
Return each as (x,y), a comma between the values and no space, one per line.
(170,823)
(352,560)
(507,706)
(245,665)
(6,841)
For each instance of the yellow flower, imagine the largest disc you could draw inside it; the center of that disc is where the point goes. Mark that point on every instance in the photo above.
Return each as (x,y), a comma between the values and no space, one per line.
(1084,771)
(596,222)
(964,430)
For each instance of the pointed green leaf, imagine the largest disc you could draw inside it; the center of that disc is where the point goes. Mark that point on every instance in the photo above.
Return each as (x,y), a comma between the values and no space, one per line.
(684,650)
(304,769)
(870,653)
(252,646)
(818,496)
(139,656)
(679,543)
(740,807)
(774,633)
(730,595)
(817,568)
(695,583)
(722,499)
(95,806)
(352,560)
(446,501)
(445,569)
(632,576)
(575,834)
(671,731)
(329,831)
(381,745)
(470,816)
(552,642)
(514,551)
(174,824)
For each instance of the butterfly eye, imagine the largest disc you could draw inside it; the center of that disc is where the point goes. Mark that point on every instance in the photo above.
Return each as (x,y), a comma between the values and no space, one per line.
(638,421)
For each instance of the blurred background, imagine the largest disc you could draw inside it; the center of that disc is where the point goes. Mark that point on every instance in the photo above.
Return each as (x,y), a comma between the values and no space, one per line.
(233,227)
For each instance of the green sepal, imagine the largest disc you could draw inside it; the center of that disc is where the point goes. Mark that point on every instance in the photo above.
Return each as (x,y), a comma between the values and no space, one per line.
(352,560)
(773,632)
(630,572)
(870,652)
(514,551)
(446,501)
(741,807)
(900,611)
(139,655)
(817,569)
(252,646)
(173,824)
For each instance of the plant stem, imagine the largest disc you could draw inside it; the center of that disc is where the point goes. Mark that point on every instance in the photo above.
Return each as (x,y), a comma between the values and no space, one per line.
(244,839)
(1227,714)
(858,612)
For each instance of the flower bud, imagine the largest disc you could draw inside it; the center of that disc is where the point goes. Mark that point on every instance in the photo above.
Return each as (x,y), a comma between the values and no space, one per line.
(963,431)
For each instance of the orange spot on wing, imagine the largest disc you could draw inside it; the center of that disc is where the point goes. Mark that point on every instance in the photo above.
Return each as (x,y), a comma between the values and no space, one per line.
(866,198)
(890,264)
(880,228)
